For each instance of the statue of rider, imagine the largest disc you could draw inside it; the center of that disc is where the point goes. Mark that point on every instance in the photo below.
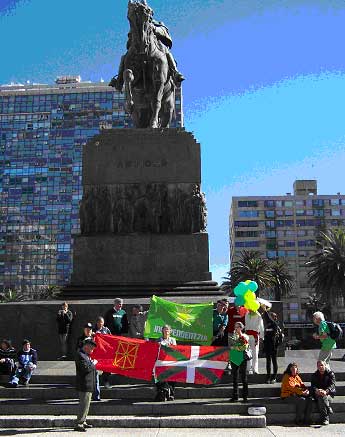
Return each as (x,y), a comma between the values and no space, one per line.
(165,43)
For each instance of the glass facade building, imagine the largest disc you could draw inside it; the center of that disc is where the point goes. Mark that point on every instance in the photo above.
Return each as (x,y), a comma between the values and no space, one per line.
(43,129)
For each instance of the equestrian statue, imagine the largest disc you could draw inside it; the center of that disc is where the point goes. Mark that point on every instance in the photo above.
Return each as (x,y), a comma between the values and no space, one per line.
(148,70)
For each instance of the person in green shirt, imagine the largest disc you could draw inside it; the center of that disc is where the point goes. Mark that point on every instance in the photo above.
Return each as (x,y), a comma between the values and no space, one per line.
(327,343)
(116,318)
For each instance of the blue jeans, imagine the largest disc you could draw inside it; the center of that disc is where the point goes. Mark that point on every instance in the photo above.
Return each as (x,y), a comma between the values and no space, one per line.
(22,373)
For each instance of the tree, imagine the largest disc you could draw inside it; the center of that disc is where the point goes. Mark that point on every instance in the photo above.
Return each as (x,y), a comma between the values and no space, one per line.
(270,276)
(250,266)
(281,280)
(327,266)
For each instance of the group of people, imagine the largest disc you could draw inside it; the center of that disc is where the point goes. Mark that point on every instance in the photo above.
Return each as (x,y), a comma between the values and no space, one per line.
(19,366)
(234,327)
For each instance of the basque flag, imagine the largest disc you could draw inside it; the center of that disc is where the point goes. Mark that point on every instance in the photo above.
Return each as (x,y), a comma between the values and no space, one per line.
(191,364)
(129,357)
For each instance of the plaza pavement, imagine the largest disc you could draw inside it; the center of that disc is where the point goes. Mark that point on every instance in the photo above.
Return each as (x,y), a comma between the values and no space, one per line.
(270,431)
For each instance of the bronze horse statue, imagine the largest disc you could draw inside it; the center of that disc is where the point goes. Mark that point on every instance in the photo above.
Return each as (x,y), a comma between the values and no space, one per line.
(148,70)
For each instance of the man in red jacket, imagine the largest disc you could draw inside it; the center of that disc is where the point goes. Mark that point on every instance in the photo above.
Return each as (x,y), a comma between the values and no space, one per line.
(235,314)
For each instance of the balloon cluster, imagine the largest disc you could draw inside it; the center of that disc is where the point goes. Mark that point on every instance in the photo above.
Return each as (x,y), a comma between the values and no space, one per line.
(245,295)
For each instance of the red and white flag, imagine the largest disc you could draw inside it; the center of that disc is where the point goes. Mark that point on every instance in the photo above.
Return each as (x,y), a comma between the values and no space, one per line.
(191,364)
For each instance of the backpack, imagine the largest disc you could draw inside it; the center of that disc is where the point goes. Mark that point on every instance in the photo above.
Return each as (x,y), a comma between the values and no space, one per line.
(335,330)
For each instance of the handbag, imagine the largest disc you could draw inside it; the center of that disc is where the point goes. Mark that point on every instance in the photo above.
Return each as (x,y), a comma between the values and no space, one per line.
(247,355)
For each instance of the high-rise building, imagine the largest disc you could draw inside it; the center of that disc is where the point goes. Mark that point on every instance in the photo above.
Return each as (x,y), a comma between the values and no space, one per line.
(43,129)
(286,227)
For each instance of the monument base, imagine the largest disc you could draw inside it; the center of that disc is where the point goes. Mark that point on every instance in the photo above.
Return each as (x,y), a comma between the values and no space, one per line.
(140,265)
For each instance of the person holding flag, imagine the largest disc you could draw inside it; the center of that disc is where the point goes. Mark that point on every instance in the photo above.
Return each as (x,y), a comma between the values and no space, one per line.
(239,345)
(166,390)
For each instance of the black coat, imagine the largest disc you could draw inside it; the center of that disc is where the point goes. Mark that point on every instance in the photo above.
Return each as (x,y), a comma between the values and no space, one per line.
(86,372)
(270,339)
(64,321)
(325,383)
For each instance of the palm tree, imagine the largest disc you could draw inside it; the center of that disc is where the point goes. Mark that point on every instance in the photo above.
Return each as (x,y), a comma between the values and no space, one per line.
(327,266)
(281,280)
(250,266)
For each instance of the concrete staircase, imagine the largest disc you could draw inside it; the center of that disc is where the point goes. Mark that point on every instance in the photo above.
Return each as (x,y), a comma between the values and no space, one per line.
(51,401)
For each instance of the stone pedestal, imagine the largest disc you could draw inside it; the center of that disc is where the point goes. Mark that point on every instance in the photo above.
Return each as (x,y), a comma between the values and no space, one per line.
(143,216)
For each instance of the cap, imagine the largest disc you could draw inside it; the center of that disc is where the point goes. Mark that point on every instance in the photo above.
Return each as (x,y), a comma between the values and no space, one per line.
(88,325)
(89,341)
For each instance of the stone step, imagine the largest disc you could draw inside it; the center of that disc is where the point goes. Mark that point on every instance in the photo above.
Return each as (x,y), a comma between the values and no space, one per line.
(69,378)
(192,421)
(63,391)
(179,407)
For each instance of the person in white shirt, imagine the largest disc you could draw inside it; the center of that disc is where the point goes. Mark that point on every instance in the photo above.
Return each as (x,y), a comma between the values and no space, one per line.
(166,390)
(255,330)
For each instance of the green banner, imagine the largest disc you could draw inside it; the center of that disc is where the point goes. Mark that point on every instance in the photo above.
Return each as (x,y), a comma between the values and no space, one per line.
(191,323)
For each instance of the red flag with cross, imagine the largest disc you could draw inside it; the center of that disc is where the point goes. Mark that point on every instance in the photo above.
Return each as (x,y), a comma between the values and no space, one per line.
(191,364)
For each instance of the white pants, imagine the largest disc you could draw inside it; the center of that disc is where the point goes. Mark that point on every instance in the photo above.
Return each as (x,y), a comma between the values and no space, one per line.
(254,363)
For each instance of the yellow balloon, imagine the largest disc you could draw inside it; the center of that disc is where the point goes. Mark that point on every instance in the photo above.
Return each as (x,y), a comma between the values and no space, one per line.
(249,296)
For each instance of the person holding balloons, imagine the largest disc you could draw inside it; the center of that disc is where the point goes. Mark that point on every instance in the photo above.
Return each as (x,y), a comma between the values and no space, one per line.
(245,296)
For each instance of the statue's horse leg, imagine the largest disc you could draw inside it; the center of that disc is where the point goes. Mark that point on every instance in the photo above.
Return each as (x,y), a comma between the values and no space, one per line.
(168,104)
(160,75)
(128,78)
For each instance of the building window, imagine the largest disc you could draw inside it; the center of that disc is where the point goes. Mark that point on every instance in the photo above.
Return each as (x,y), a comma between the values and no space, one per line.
(288,203)
(279,203)
(318,203)
(271,254)
(246,224)
(300,203)
(300,211)
(335,212)
(288,212)
(247,203)
(334,202)
(269,223)
(248,213)
(270,234)
(319,212)
(269,214)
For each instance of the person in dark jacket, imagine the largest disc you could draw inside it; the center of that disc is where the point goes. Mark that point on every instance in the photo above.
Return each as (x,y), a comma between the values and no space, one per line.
(85,382)
(323,390)
(87,333)
(271,343)
(64,320)
(26,364)
(116,318)
(7,359)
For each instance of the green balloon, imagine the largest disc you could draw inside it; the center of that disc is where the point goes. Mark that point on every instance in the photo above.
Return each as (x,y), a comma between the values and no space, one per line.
(240,289)
(253,286)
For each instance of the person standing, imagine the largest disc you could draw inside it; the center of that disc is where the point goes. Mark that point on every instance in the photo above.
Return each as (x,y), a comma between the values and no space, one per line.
(7,359)
(85,382)
(26,364)
(101,329)
(220,321)
(64,320)
(327,343)
(116,318)
(239,343)
(166,389)
(323,390)
(235,314)
(293,390)
(255,330)
(137,322)
(87,333)
(271,343)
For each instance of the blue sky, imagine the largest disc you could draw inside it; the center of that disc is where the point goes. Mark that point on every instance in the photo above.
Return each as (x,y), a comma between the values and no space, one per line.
(264,93)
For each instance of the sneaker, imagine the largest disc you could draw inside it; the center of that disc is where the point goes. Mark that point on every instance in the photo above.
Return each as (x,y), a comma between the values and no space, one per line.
(80,428)
(330,410)
(273,381)
(96,399)
(325,422)
(107,384)
(250,372)
(233,399)
(171,398)
(268,381)
(25,382)
(87,425)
